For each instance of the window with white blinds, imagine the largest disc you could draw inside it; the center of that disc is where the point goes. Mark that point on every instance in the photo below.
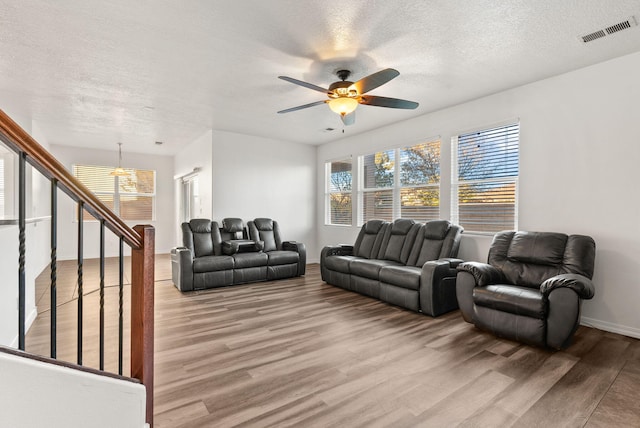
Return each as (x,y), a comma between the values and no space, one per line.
(131,197)
(338,192)
(420,181)
(485,179)
(403,182)
(377,188)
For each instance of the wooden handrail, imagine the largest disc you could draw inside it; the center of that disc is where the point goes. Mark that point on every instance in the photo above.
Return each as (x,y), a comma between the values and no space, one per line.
(141,239)
(20,141)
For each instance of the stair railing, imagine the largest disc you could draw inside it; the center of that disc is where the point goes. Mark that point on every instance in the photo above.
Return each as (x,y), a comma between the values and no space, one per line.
(141,240)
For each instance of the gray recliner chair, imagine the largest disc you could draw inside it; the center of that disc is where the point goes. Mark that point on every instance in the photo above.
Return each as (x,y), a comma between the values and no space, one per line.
(532,288)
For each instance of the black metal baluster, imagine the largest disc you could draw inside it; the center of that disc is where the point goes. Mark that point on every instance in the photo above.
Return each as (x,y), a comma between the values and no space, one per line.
(102,295)
(80,262)
(22,249)
(54,267)
(120,305)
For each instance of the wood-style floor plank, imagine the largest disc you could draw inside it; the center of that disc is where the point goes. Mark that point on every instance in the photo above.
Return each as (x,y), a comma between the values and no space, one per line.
(299,352)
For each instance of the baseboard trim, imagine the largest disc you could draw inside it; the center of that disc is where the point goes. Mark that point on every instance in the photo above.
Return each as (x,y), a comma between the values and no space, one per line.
(611,327)
(31,317)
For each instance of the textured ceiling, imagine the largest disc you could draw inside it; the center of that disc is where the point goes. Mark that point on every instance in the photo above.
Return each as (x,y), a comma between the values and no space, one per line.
(92,73)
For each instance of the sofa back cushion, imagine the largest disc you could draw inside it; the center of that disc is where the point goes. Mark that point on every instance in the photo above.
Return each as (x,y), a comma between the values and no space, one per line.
(398,240)
(232,228)
(267,230)
(436,239)
(202,237)
(529,258)
(370,239)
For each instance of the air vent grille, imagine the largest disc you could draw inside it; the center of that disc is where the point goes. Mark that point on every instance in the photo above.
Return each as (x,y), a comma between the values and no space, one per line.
(628,23)
(593,36)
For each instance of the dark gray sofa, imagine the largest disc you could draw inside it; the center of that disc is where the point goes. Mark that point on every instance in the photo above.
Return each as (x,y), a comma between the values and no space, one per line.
(404,263)
(213,256)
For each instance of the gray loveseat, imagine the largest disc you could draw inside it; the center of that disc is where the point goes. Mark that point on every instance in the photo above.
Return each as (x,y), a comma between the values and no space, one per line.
(403,263)
(214,256)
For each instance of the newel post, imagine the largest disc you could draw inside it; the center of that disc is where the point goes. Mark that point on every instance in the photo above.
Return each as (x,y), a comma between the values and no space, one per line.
(142,282)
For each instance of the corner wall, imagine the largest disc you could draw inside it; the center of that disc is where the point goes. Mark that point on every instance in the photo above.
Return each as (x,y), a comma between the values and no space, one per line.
(579,152)
(257,177)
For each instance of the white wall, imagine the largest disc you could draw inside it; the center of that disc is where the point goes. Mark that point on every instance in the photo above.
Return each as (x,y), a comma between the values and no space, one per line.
(66,397)
(196,155)
(257,177)
(579,151)
(67,225)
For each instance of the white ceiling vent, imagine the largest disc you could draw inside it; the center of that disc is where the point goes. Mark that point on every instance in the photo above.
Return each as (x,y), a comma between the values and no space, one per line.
(627,23)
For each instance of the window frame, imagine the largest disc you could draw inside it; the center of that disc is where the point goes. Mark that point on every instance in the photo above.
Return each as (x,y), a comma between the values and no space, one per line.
(456,182)
(117,193)
(328,192)
(397,187)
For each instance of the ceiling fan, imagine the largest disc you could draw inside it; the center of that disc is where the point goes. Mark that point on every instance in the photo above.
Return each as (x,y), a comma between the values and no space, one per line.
(344,96)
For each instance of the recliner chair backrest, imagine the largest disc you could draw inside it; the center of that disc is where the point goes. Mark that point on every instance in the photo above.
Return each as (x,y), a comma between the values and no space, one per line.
(529,258)
(398,240)
(436,239)
(232,228)
(370,239)
(202,237)
(267,230)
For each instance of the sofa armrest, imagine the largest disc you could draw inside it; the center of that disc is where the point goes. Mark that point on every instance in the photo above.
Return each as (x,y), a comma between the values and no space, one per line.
(182,268)
(234,246)
(578,283)
(337,250)
(483,273)
(302,253)
(437,291)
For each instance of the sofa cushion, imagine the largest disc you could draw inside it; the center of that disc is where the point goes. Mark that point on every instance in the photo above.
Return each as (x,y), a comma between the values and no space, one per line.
(282,257)
(369,239)
(212,263)
(401,276)
(397,244)
(543,248)
(369,268)
(245,260)
(513,299)
(436,229)
(339,263)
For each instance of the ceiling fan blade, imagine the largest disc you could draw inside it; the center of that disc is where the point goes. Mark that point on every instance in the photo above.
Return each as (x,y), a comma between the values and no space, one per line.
(349,119)
(317,103)
(374,80)
(305,84)
(372,100)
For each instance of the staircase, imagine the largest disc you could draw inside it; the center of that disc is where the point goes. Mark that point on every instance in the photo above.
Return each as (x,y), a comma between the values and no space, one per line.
(140,239)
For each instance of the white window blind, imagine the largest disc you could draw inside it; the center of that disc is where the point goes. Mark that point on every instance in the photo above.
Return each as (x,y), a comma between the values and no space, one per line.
(484,191)
(338,192)
(420,181)
(403,182)
(378,173)
(131,197)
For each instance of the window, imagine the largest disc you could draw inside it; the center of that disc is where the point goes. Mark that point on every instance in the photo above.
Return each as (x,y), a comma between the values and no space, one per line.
(338,192)
(420,182)
(485,179)
(131,197)
(414,192)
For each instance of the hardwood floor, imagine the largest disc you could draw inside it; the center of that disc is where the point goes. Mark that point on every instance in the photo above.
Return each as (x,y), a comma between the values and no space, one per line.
(298,352)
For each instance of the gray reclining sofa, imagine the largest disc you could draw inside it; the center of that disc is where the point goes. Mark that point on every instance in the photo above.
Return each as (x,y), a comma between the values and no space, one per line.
(404,263)
(213,256)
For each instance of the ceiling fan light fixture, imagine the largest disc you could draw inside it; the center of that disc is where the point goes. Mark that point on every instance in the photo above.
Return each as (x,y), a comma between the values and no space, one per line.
(343,105)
